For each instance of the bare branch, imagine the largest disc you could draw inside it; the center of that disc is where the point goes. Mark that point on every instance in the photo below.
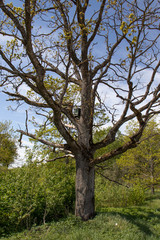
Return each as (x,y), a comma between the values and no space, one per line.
(26,121)
(19,97)
(43,141)
(57,158)
(14,19)
(98,22)
(111,180)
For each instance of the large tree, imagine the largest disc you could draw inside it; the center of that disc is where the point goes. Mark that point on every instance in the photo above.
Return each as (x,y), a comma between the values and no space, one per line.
(105,52)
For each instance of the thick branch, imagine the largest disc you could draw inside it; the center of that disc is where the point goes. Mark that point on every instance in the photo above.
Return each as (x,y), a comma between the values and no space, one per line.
(67,28)
(134,141)
(116,152)
(28,43)
(137,113)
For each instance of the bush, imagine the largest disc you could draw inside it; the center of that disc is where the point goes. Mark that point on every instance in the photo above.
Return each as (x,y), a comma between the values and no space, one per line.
(35,194)
(108,194)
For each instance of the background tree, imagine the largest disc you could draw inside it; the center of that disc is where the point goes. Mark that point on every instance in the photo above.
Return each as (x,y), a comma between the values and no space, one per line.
(8,147)
(142,164)
(56,48)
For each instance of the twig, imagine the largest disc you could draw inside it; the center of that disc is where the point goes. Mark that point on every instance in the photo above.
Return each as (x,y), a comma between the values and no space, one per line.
(26,121)
(65,156)
(111,180)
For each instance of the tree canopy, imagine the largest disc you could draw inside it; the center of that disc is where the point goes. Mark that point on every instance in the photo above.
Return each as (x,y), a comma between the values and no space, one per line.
(8,147)
(101,57)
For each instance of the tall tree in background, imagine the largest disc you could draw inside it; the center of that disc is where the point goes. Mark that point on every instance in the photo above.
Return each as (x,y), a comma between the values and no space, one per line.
(53,49)
(8,148)
(142,164)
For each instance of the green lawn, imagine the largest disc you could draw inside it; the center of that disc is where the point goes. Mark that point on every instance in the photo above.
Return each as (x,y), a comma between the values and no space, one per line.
(131,223)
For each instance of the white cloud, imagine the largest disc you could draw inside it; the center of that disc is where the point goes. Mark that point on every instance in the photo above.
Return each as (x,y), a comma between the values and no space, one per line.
(4,39)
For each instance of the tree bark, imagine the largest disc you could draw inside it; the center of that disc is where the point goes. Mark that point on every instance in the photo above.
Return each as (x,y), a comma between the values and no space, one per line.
(152,189)
(85,184)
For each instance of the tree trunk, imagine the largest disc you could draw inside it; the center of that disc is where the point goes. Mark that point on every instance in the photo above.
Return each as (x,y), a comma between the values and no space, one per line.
(152,189)
(85,183)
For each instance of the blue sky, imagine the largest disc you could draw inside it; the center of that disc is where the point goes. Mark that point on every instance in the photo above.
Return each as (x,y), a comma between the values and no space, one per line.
(17,119)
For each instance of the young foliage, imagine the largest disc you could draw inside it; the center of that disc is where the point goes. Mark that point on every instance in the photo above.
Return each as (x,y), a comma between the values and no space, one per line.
(142,164)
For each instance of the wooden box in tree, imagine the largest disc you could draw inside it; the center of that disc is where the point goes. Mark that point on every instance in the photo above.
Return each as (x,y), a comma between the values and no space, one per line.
(77,112)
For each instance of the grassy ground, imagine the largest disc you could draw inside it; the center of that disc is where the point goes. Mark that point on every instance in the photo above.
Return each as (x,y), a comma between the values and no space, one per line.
(133,223)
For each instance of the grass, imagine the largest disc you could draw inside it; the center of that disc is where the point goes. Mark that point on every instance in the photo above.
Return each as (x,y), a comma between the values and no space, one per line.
(131,223)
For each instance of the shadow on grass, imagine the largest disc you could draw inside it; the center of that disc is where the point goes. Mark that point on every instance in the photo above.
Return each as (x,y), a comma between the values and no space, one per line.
(143,218)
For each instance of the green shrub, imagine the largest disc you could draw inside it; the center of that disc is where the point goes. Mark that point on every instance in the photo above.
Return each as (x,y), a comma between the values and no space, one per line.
(136,195)
(109,194)
(35,194)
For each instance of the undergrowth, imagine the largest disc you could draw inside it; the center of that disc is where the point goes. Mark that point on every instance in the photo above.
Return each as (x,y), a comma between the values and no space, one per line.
(129,223)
